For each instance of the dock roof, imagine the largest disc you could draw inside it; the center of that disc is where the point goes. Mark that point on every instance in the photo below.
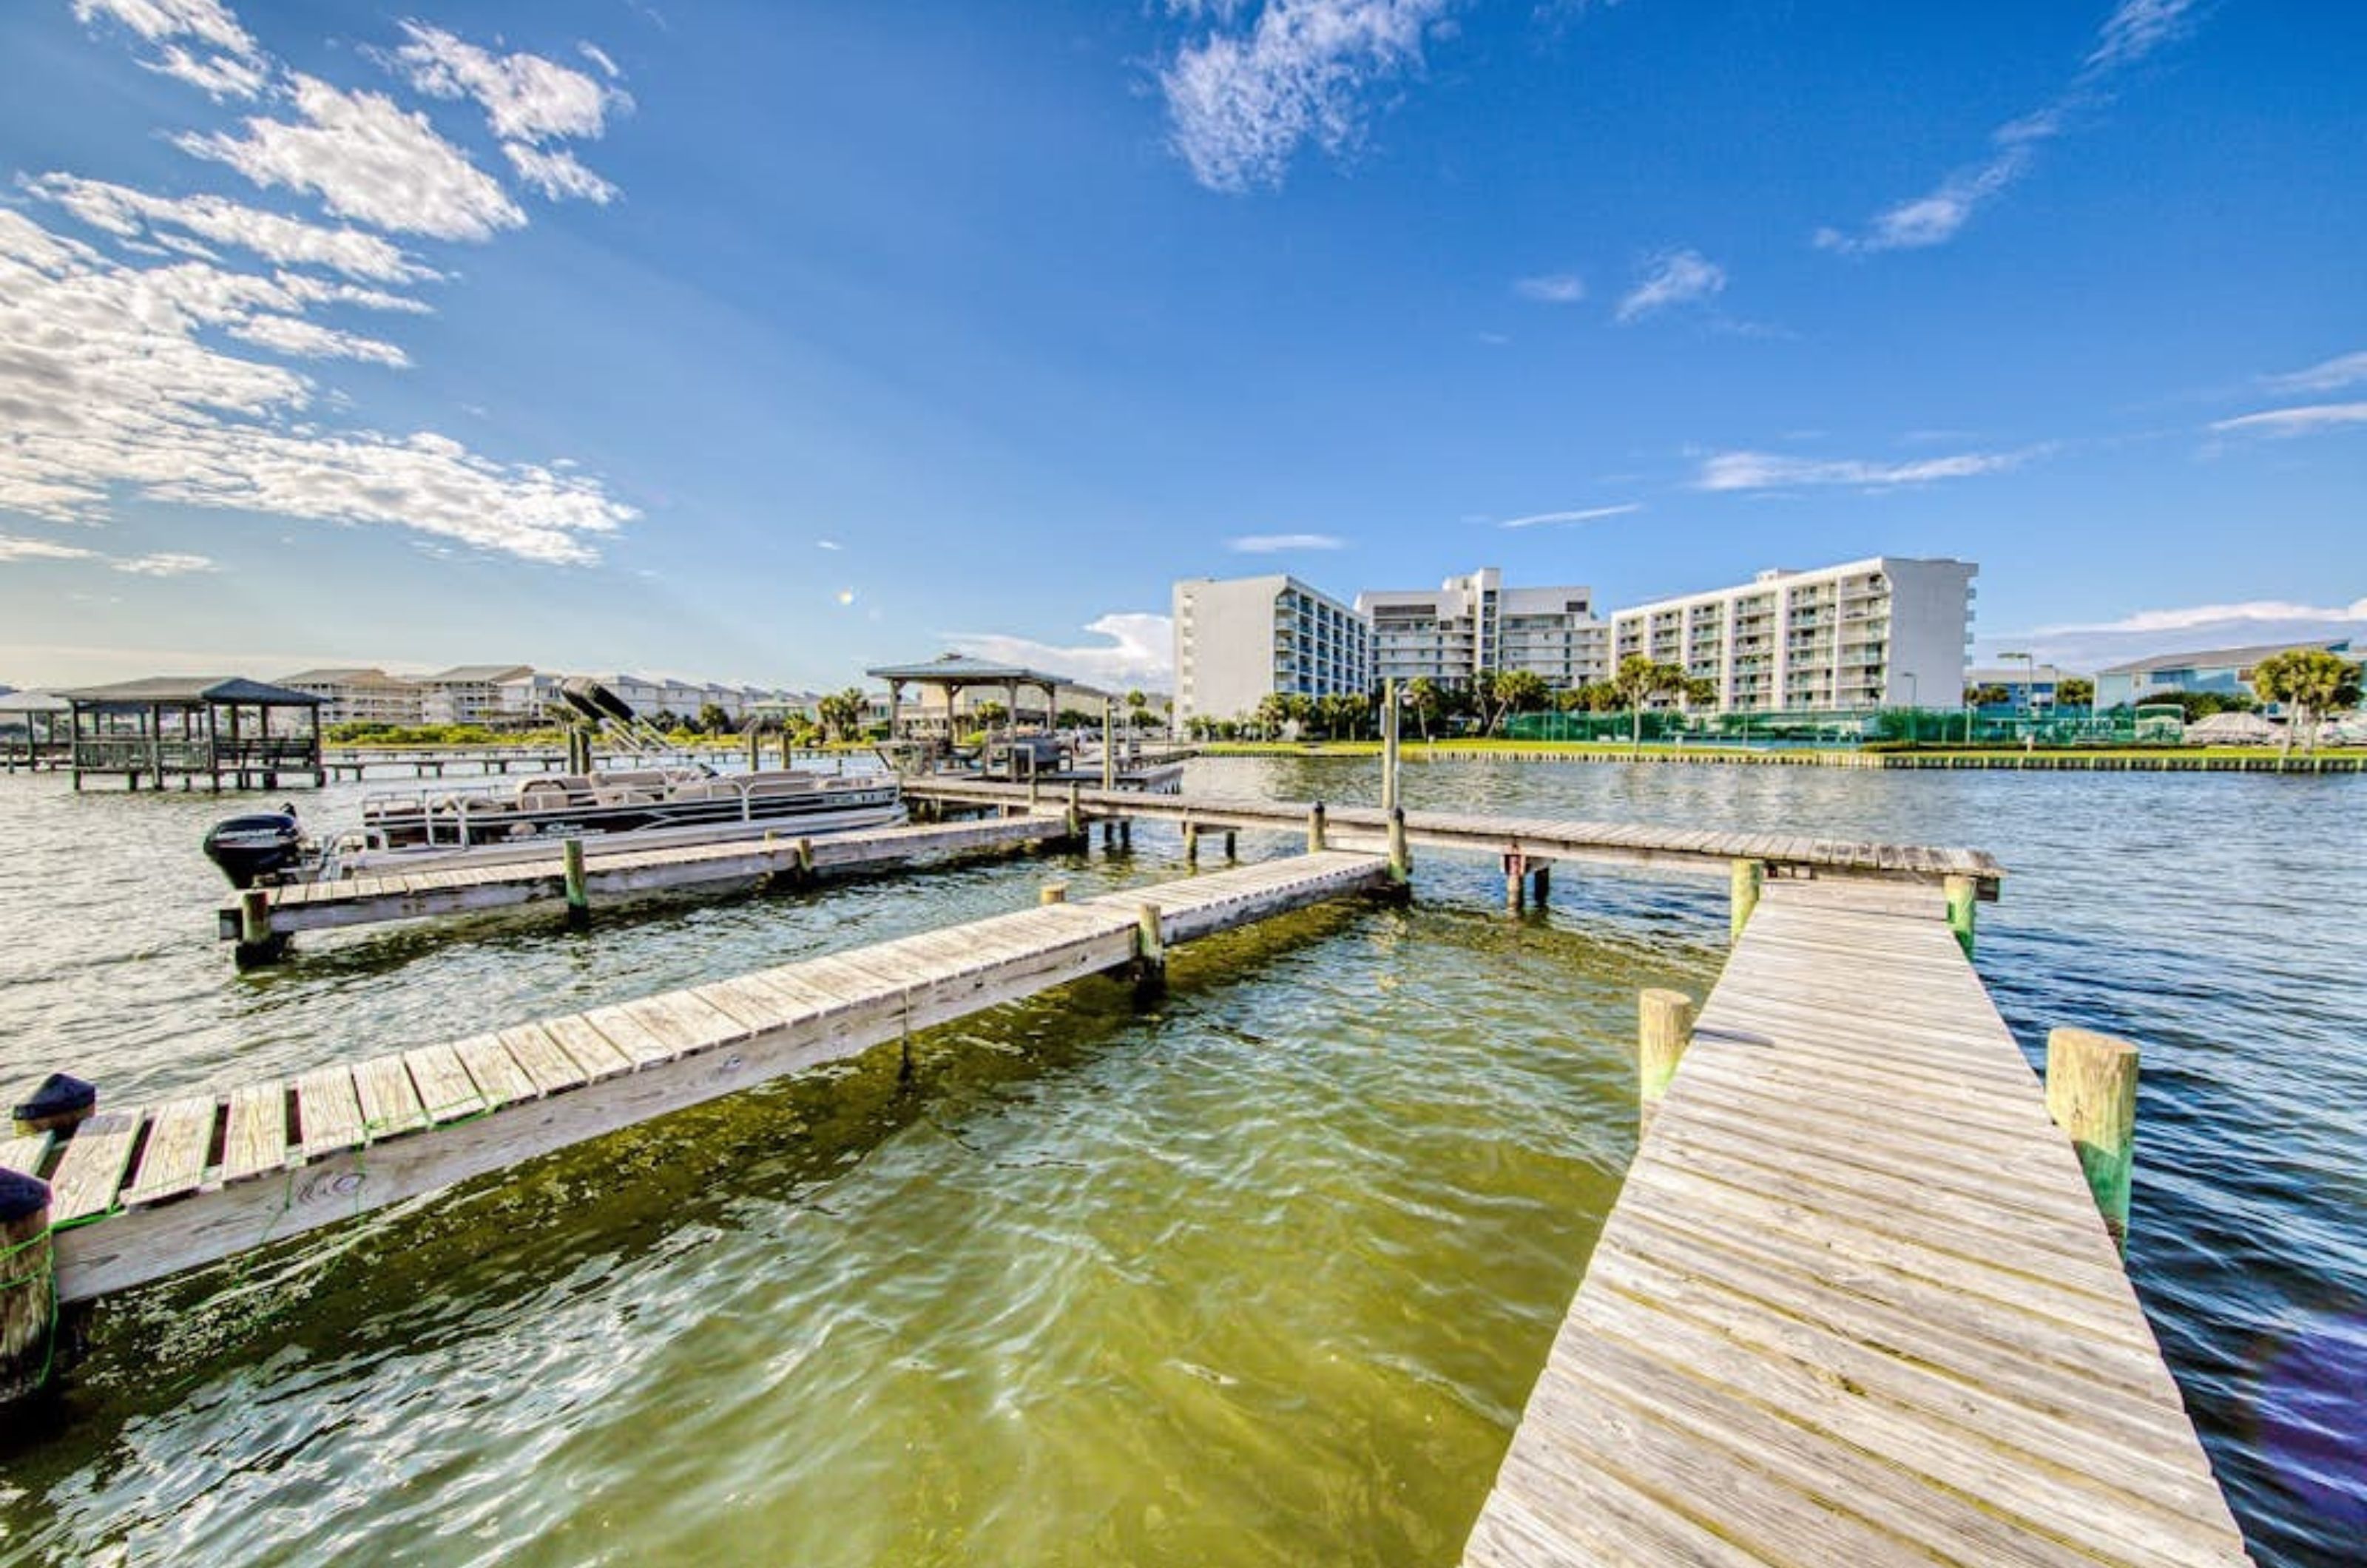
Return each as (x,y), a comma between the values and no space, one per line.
(962,669)
(192,690)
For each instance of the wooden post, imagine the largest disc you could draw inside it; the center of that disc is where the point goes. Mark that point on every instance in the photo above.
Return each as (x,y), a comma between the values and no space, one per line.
(61,1102)
(28,1285)
(1543,878)
(1516,880)
(257,942)
(756,751)
(1389,744)
(1052,892)
(1743,895)
(2091,1093)
(1149,949)
(805,860)
(1314,828)
(1126,834)
(1232,846)
(1109,746)
(785,745)
(1191,842)
(1401,854)
(579,900)
(1076,823)
(1963,896)
(1664,1027)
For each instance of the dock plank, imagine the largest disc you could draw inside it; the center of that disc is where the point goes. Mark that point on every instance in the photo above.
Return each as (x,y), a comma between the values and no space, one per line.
(26,1152)
(90,1172)
(328,1111)
(255,1137)
(1854,1303)
(172,1157)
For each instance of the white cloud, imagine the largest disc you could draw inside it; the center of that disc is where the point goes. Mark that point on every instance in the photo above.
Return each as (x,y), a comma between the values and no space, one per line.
(1134,650)
(367,159)
(1552,288)
(1769,470)
(2308,419)
(107,386)
(1240,103)
(15,547)
(1589,515)
(1676,278)
(557,174)
(310,339)
(828,545)
(123,211)
(219,77)
(2333,374)
(1275,544)
(525,97)
(599,57)
(207,21)
(2135,29)
(2193,616)
(167,564)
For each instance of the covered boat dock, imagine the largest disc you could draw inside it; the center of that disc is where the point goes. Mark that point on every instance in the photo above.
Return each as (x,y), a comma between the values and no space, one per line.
(194,727)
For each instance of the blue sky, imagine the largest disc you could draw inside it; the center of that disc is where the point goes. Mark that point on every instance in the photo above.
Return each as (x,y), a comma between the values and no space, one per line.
(762,341)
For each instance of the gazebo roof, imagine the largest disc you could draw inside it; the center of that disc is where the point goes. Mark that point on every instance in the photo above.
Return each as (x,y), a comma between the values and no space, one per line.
(32,702)
(193,691)
(962,669)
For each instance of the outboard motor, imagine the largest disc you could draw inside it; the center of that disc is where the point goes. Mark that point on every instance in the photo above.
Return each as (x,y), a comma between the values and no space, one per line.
(262,847)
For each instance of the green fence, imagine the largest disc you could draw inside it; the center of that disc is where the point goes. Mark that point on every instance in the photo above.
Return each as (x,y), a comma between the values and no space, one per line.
(1852,727)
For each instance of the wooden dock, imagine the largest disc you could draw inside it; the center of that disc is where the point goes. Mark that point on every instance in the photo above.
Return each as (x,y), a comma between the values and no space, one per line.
(427,892)
(145,1192)
(1529,841)
(1855,1304)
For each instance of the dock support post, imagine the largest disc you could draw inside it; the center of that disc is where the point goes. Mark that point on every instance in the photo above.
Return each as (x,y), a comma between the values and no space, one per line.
(1233,847)
(1314,828)
(1076,823)
(257,942)
(1389,744)
(1963,896)
(1149,951)
(1664,1027)
(1743,895)
(1400,856)
(805,860)
(2091,1093)
(1052,892)
(1516,881)
(1126,834)
(1543,878)
(28,1285)
(579,900)
(1191,842)
(1109,745)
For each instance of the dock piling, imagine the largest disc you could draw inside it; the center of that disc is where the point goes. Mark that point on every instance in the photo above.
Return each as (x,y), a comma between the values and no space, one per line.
(1400,856)
(805,860)
(1191,842)
(1389,745)
(1052,892)
(2091,1093)
(1314,830)
(1109,744)
(28,1285)
(579,901)
(1664,1027)
(1076,821)
(1233,847)
(257,942)
(1516,881)
(1149,951)
(1963,896)
(60,1104)
(1743,895)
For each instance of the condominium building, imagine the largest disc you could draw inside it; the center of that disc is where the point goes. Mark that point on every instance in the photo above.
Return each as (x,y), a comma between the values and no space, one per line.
(1866,634)
(1239,640)
(466,693)
(1472,626)
(358,696)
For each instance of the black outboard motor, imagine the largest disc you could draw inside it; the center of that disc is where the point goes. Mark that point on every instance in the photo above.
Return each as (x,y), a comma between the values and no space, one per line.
(262,847)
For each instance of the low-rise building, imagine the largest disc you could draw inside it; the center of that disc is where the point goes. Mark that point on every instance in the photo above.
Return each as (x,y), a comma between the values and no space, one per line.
(358,696)
(466,693)
(2024,686)
(2224,671)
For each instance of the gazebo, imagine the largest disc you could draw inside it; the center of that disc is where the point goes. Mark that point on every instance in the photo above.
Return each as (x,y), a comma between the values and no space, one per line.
(951,673)
(193,726)
(33,728)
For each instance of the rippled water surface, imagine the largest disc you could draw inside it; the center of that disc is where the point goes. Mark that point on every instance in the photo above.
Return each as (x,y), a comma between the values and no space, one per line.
(1259,1274)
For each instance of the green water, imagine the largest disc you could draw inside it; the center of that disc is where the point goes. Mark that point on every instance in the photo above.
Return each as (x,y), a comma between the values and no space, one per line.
(1259,1273)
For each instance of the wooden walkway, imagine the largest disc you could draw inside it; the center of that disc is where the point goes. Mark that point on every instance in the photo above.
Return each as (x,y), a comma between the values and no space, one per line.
(201,1176)
(1536,840)
(1855,1305)
(413,895)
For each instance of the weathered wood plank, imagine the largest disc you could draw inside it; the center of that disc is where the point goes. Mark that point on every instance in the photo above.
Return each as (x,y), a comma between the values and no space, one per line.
(254,1138)
(26,1154)
(90,1172)
(445,1090)
(389,1101)
(328,1111)
(172,1157)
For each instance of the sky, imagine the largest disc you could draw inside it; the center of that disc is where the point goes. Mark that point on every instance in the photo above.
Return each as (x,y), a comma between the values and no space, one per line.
(760,341)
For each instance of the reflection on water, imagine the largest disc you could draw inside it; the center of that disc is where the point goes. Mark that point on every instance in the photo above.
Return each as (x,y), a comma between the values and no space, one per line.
(1258,1274)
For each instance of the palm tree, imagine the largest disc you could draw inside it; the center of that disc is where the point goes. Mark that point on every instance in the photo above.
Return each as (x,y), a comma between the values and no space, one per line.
(1135,703)
(1422,695)
(1273,713)
(1516,691)
(1638,680)
(2312,682)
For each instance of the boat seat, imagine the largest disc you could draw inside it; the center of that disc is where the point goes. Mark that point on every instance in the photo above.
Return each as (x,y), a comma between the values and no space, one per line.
(783,783)
(611,796)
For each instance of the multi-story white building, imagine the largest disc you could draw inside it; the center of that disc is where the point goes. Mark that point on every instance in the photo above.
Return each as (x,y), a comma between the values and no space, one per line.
(466,693)
(360,696)
(1474,625)
(1239,640)
(1882,632)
